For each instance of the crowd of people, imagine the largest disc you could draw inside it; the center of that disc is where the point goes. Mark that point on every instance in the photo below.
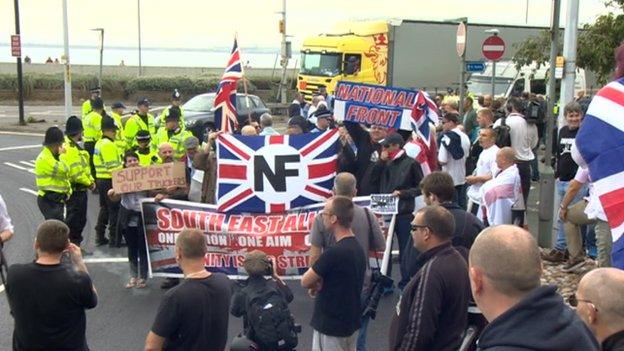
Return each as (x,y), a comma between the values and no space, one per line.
(465,254)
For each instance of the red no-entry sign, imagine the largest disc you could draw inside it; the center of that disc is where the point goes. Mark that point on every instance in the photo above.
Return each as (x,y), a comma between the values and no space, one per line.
(461,39)
(493,48)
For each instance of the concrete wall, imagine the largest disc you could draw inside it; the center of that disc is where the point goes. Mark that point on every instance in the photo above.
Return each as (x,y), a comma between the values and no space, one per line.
(10,68)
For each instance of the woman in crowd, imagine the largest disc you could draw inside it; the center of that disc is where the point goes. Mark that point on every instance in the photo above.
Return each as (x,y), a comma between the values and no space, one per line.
(131,225)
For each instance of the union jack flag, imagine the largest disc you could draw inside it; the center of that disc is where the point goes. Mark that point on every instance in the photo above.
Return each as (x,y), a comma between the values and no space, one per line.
(600,141)
(225,102)
(272,174)
(424,112)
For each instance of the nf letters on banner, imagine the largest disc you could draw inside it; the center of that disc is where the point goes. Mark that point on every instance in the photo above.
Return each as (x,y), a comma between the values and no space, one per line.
(129,180)
(273,174)
(284,236)
(374,104)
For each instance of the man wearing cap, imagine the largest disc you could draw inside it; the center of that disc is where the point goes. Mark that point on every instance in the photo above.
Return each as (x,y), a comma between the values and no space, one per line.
(176,101)
(323,120)
(173,134)
(52,176)
(399,175)
(117,111)
(142,120)
(87,105)
(107,159)
(452,153)
(92,124)
(145,149)
(77,159)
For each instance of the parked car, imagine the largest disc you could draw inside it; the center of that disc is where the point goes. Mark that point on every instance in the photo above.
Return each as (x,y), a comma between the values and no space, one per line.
(199,112)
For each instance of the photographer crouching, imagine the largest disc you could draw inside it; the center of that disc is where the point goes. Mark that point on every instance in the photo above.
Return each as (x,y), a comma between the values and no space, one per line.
(263,304)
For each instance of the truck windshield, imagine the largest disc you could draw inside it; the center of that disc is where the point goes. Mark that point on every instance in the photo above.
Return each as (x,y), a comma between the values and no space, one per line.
(484,86)
(318,64)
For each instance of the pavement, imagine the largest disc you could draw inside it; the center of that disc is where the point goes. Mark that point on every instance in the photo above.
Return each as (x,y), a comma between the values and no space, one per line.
(123,317)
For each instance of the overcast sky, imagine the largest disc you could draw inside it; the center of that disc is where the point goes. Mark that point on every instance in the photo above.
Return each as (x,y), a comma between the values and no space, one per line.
(205,24)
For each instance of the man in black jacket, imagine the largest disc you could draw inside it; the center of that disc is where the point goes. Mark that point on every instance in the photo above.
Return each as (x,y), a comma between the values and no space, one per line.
(364,148)
(505,271)
(432,312)
(398,174)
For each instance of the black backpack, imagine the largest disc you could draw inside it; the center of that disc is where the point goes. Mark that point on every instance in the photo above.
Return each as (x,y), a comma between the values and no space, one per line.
(269,321)
(534,112)
(503,134)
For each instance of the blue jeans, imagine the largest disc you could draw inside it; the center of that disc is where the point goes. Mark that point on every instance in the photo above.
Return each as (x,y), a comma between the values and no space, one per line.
(361,339)
(562,187)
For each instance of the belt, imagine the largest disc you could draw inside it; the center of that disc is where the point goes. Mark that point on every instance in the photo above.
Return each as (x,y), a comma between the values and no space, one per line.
(79,187)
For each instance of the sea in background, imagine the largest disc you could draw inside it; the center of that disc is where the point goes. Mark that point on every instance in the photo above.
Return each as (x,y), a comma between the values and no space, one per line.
(163,57)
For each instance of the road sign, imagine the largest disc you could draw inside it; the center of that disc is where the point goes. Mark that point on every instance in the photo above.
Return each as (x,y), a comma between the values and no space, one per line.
(461,39)
(493,48)
(475,66)
(559,64)
(16,46)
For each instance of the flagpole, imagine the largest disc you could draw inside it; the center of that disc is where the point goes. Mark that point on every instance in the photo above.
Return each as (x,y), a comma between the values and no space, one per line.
(240,52)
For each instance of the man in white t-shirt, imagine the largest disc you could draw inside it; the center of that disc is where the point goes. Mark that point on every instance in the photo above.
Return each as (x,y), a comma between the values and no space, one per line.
(524,139)
(587,211)
(452,153)
(485,169)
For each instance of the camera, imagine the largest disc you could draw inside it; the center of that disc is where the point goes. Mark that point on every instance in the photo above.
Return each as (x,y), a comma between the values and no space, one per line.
(379,283)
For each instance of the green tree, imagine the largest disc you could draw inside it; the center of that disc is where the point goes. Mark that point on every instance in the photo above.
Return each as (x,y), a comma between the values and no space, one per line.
(596,44)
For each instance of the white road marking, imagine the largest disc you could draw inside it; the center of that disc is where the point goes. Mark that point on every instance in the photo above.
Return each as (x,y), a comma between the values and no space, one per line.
(106,260)
(9,148)
(22,133)
(30,191)
(20,167)
(26,163)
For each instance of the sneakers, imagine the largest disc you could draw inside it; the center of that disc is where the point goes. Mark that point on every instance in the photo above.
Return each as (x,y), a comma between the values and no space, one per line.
(101,241)
(555,256)
(573,264)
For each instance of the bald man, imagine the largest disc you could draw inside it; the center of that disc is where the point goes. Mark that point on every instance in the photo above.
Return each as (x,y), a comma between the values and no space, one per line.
(249,130)
(599,302)
(501,196)
(165,152)
(505,271)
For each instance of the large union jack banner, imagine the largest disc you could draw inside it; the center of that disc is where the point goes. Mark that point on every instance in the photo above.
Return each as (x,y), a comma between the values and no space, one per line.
(272,174)
(225,102)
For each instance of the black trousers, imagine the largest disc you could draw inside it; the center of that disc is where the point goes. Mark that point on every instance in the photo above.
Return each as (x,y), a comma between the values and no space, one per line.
(90,146)
(108,213)
(137,252)
(76,215)
(524,168)
(51,209)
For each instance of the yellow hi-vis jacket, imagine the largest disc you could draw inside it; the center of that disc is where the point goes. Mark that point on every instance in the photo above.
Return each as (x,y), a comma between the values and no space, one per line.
(120,138)
(77,159)
(92,124)
(106,158)
(136,123)
(175,139)
(52,174)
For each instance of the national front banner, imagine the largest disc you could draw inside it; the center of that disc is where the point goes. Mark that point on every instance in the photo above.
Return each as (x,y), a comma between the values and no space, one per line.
(284,236)
(273,174)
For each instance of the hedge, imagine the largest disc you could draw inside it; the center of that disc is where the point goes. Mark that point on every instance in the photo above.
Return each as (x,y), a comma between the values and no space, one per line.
(128,85)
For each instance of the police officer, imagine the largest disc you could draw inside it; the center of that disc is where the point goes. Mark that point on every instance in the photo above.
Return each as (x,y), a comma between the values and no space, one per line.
(80,179)
(146,150)
(173,134)
(87,105)
(107,159)
(92,124)
(142,120)
(52,176)
(176,100)
(117,111)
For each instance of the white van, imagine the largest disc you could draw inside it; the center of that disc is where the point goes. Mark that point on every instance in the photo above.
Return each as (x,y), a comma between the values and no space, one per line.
(512,82)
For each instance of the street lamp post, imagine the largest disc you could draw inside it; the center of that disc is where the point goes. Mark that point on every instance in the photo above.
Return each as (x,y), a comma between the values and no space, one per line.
(67,73)
(101,47)
(139,24)
(493,31)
